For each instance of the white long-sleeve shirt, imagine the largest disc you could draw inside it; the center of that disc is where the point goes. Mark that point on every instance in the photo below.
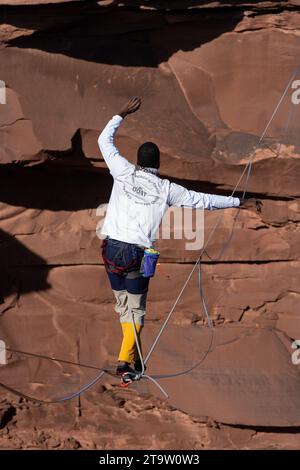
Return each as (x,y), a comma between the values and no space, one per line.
(140,198)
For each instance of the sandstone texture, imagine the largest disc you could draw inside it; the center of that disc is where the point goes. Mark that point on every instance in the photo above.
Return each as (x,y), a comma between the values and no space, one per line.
(211,75)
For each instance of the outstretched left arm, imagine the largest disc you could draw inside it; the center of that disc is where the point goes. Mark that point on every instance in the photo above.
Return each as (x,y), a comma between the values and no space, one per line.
(180,196)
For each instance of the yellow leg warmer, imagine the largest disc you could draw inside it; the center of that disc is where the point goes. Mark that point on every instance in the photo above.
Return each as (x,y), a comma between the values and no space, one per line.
(129,352)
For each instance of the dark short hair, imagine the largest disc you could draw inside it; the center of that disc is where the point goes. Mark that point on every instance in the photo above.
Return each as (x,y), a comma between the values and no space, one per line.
(148,155)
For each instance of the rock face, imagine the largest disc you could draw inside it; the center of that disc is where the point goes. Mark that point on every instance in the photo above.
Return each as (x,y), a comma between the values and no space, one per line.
(219,88)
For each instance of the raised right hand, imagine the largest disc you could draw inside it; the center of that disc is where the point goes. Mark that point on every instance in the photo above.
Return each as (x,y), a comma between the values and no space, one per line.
(131,106)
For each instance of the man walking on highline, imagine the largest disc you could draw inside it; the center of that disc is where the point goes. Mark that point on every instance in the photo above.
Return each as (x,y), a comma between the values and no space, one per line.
(138,202)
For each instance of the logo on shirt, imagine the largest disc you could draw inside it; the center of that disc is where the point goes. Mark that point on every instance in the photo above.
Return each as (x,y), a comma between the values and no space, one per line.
(139,190)
(142,189)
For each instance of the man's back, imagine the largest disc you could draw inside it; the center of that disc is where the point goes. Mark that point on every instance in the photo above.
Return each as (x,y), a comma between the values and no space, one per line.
(140,198)
(137,204)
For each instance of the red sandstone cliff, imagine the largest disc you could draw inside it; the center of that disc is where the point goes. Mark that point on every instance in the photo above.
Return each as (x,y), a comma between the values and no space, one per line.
(210,75)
